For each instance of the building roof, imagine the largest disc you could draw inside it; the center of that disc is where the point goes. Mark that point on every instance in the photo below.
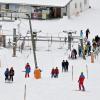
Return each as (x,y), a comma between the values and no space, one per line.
(56,3)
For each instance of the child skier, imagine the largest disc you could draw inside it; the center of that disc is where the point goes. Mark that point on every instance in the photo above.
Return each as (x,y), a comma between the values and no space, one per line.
(27,70)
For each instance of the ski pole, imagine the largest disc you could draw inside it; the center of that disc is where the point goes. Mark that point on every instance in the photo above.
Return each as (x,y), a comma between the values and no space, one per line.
(87,70)
(72,72)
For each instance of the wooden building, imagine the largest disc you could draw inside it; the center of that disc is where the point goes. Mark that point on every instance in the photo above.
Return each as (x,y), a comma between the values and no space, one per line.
(42,9)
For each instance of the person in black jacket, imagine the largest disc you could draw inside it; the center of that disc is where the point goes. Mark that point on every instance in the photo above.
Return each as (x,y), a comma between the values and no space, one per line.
(11,74)
(87,32)
(63,65)
(66,66)
(75,53)
(7,73)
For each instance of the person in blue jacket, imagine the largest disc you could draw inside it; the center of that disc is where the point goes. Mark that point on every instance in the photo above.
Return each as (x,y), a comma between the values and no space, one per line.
(27,70)
(81,34)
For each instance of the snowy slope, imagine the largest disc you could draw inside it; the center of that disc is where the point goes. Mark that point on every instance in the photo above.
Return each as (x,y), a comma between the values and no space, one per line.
(46,88)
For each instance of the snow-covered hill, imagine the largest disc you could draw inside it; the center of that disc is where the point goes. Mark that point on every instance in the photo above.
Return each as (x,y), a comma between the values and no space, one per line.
(46,88)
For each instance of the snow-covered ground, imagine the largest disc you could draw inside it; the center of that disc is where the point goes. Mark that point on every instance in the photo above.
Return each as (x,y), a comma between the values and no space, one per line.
(46,88)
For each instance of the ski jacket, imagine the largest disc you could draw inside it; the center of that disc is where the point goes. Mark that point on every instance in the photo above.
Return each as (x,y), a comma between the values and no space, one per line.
(6,73)
(56,71)
(27,68)
(11,72)
(81,79)
(53,71)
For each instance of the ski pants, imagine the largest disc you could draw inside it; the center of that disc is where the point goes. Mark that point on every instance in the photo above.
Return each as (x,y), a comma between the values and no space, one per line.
(81,86)
(26,75)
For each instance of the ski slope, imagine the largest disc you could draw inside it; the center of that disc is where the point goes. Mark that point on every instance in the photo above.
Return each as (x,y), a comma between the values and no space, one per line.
(46,88)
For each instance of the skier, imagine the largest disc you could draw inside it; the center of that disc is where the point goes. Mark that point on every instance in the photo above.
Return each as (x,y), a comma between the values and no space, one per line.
(94,45)
(12,72)
(66,66)
(7,73)
(27,70)
(79,50)
(69,54)
(97,38)
(87,32)
(81,34)
(85,49)
(74,54)
(81,81)
(56,72)
(52,72)
(37,73)
(63,65)
(92,57)
(88,48)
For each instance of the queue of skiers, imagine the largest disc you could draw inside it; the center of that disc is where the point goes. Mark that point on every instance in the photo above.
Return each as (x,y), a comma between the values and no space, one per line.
(85,47)
(82,50)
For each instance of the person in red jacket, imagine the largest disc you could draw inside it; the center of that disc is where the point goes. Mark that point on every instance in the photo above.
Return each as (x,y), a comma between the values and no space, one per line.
(56,72)
(52,72)
(81,81)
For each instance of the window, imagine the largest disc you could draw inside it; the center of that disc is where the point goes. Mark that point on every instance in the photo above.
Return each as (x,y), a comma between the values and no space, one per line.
(75,5)
(7,6)
(85,2)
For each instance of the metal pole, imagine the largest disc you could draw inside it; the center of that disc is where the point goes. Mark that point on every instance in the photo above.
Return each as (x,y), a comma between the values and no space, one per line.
(33,40)
(87,70)
(4,40)
(81,41)
(68,11)
(1,29)
(69,40)
(14,42)
(0,63)
(72,72)
(25,92)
